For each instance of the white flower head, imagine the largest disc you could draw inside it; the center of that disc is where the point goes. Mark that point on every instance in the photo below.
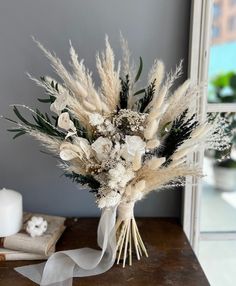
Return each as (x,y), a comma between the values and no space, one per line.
(96,119)
(133,145)
(65,123)
(119,176)
(102,147)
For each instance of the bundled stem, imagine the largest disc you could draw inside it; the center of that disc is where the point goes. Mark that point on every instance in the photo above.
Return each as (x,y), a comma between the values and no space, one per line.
(128,236)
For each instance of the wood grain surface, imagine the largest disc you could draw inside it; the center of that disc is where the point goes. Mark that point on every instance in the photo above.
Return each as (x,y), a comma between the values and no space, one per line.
(171,260)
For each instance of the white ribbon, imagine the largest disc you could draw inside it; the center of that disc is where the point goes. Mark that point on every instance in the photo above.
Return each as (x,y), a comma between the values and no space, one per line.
(62,266)
(126,210)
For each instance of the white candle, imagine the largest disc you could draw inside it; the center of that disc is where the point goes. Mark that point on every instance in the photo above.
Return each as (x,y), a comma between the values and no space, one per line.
(11,214)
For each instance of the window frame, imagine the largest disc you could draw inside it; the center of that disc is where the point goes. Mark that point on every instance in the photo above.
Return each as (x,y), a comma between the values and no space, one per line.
(199,48)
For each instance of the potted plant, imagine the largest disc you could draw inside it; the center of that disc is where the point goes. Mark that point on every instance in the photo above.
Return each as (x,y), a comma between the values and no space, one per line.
(223,172)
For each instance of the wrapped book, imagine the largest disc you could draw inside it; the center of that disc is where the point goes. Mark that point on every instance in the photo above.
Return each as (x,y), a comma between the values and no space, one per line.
(22,246)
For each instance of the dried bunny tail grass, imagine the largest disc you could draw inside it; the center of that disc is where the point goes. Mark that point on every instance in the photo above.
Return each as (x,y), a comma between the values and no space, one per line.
(110,81)
(84,76)
(158,105)
(157,74)
(74,86)
(79,111)
(153,119)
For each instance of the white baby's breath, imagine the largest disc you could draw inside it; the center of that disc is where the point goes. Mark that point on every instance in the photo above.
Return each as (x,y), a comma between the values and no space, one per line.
(96,119)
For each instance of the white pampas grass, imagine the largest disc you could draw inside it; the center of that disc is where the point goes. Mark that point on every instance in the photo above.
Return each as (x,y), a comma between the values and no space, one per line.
(110,82)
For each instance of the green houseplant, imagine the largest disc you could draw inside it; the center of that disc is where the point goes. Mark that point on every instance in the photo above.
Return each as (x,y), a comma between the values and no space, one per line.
(223,90)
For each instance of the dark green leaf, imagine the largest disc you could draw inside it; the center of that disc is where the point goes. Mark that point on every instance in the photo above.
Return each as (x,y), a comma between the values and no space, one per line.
(44,100)
(19,134)
(16,111)
(139,70)
(139,91)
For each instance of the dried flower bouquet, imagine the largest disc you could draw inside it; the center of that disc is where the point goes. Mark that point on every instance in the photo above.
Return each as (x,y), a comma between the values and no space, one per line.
(121,141)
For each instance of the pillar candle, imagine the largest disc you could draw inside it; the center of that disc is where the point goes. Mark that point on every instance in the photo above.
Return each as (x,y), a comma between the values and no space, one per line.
(11,214)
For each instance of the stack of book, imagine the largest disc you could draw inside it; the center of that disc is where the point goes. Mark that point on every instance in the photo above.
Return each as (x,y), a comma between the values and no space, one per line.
(22,246)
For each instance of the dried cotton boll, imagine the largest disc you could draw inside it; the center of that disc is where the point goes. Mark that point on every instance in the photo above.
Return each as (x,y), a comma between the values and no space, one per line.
(36,226)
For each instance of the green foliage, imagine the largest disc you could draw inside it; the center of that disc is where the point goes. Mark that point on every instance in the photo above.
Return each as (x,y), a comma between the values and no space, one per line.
(54,86)
(224,87)
(42,123)
(124,93)
(139,70)
(84,180)
(147,98)
(180,131)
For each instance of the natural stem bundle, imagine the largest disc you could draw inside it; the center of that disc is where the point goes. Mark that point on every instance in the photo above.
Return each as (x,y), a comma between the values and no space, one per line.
(128,236)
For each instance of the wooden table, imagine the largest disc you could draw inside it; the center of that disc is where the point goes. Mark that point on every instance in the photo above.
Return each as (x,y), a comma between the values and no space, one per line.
(171,260)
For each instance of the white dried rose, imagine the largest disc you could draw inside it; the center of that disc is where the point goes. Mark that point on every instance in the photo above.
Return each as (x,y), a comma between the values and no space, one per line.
(133,145)
(65,123)
(96,119)
(36,226)
(102,147)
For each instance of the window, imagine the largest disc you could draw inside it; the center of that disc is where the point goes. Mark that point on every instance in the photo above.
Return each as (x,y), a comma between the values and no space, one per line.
(216,10)
(210,207)
(232,23)
(232,2)
(215,32)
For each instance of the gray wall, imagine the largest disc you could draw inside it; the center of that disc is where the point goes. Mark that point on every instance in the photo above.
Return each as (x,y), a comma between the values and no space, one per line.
(154,28)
